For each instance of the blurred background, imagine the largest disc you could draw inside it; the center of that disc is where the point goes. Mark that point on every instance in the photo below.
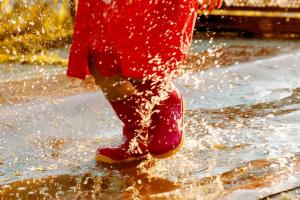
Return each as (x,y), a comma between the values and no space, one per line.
(33,27)
(267,18)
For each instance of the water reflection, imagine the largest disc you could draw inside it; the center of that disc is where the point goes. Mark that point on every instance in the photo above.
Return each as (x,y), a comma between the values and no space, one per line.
(133,181)
(240,113)
(125,181)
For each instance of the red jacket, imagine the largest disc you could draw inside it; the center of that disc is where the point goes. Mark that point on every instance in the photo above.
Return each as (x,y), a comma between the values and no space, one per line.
(136,38)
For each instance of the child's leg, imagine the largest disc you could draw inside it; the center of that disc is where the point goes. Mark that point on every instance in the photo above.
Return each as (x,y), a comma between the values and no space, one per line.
(114,88)
(123,98)
(135,102)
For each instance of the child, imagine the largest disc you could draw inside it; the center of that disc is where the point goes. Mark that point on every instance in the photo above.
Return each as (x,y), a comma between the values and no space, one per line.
(133,49)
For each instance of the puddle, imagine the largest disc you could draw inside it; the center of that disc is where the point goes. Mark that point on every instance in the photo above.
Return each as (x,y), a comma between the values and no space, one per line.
(242,139)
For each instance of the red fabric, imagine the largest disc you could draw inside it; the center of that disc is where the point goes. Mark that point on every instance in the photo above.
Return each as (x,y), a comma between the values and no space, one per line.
(136,38)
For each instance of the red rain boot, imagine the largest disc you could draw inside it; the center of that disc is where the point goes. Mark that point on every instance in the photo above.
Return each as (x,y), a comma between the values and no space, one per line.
(165,135)
(135,136)
(130,150)
(167,115)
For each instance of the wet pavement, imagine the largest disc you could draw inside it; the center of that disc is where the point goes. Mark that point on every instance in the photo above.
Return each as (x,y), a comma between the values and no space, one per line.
(242,131)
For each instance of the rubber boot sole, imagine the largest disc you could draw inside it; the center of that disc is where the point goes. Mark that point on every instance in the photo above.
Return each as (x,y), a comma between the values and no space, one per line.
(108,160)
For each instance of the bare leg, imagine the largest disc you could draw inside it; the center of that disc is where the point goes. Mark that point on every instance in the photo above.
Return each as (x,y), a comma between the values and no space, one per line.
(114,88)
